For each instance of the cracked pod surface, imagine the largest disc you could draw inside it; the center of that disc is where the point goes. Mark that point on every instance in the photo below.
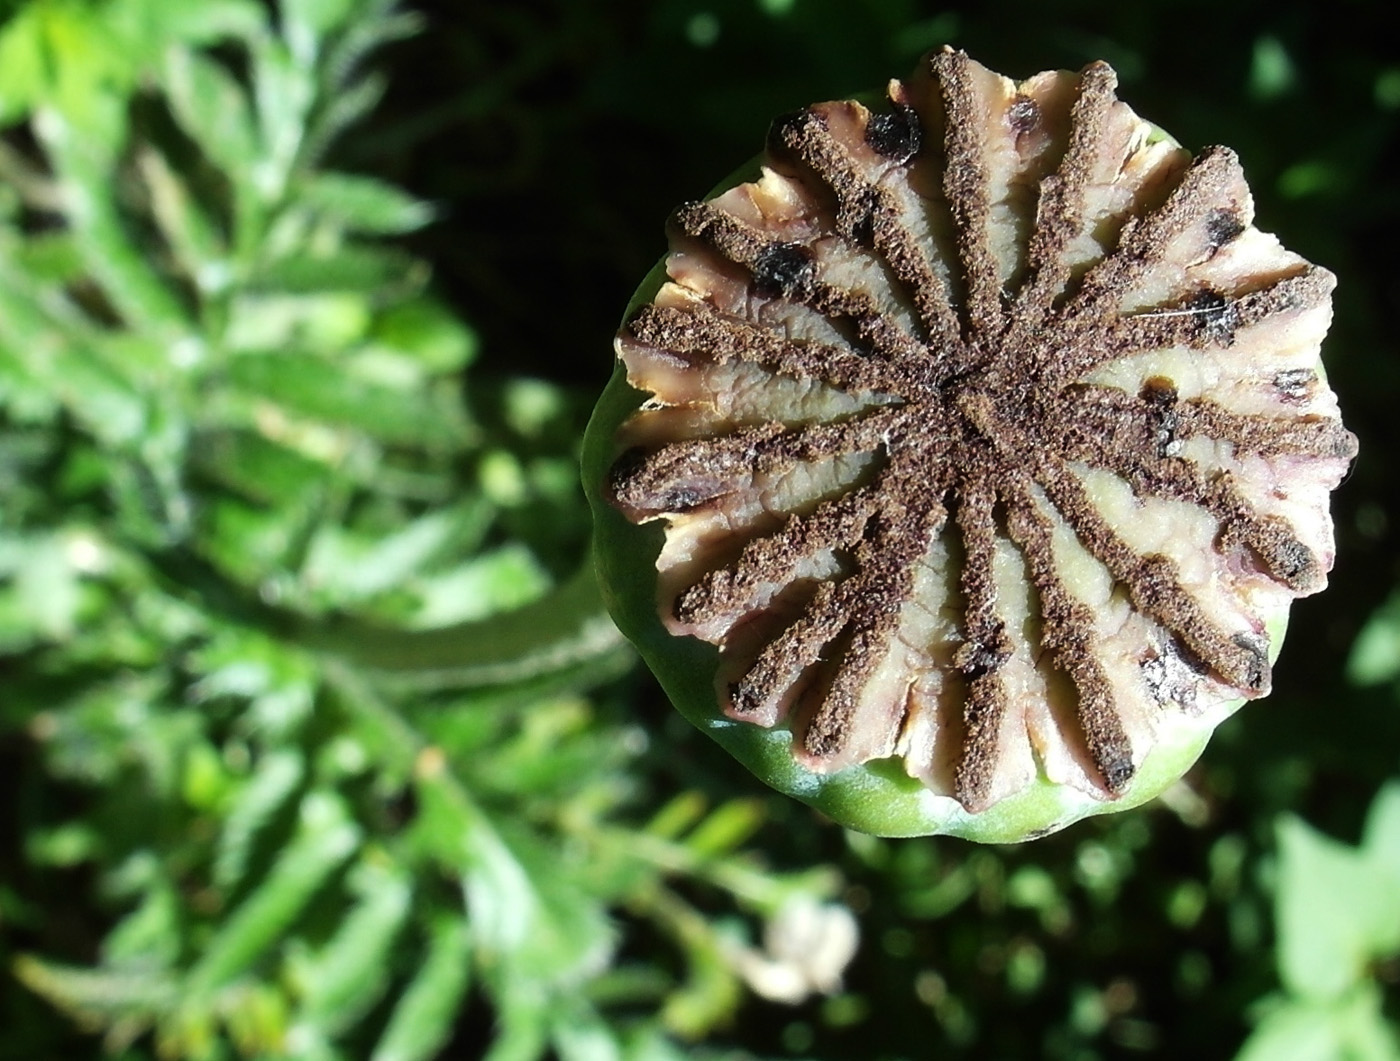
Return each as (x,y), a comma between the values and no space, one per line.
(957,471)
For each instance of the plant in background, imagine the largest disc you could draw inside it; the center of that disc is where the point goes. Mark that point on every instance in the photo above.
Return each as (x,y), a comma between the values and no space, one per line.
(254,548)
(1338,919)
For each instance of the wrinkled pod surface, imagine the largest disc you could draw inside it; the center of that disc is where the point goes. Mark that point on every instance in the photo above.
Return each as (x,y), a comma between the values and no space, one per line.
(959,472)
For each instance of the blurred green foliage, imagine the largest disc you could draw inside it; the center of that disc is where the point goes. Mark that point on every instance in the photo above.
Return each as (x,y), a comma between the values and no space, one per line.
(310,743)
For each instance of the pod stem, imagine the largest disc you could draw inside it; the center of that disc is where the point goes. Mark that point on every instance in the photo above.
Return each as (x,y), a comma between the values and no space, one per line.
(566,629)
(564,638)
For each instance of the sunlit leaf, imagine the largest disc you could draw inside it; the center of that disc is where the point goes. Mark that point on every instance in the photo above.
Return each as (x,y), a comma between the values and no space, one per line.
(96,994)
(362,204)
(311,386)
(284,91)
(423,1017)
(353,970)
(348,570)
(318,16)
(252,807)
(23,68)
(1381,841)
(490,582)
(1336,910)
(1375,654)
(212,108)
(428,332)
(1352,1026)
(327,837)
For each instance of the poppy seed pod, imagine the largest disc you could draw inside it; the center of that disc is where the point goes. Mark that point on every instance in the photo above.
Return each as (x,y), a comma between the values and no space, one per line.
(958,470)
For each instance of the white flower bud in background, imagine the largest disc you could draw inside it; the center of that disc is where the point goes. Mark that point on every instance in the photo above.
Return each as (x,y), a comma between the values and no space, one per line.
(806,947)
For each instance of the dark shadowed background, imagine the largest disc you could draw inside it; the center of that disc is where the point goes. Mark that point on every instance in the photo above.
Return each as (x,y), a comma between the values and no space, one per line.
(173,751)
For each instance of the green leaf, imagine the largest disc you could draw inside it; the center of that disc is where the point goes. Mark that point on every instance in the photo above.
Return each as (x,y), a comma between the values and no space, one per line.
(213,110)
(86,160)
(85,73)
(320,17)
(350,570)
(352,104)
(522,1032)
(726,828)
(677,815)
(491,582)
(361,269)
(318,388)
(192,234)
(580,1035)
(1336,911)
(1273,72)
(23,63)
(1375,654)
(152,23)
(256,1018)
(422,1020)
(363,204)
(96,994)
(285,91)
(261,796)
(430,333)
(1294,1031)
(259,468)
(47,586)
(149,935)
(1352,1027)
(585,1039)
(326,838)
(570,934)
(1381,840)
(353,969)
(50,258)
(320,320)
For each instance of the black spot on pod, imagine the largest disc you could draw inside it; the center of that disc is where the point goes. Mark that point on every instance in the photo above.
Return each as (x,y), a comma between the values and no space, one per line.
(1221,227)
(1163,417)
(1023,115)
(785,269)
(1117,772)
(1294,384)
(1257,669)
(624,472)
(1294,559)
(1218,317)
(633,483)
(895,135)
(975,659)
(746,698)
(787,130)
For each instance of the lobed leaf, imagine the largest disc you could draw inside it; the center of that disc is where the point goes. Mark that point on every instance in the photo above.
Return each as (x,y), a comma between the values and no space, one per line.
(423,1017)
(308,385)
(1336,911)
(265,792)
(326,838)
(354,968)
(363,204)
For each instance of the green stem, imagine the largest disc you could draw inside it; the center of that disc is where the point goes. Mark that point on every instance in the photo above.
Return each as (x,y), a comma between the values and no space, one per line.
(564,637)
(566,629)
